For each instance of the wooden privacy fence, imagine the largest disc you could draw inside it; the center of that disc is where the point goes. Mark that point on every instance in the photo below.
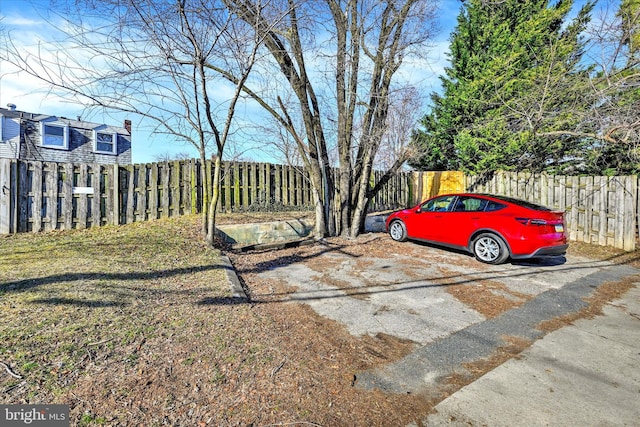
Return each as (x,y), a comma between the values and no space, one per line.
(43,196)
(598,209)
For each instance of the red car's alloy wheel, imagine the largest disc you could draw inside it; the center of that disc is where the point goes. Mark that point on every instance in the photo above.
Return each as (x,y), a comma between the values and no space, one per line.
(490,248)
(398,231)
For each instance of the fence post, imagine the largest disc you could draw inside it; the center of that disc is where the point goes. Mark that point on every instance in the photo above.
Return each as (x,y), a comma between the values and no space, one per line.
(96,201)
(115,219)
(5,196)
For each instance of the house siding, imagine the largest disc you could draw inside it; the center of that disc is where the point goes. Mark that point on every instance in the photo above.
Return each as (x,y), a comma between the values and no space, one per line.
(10,143)
(25,139)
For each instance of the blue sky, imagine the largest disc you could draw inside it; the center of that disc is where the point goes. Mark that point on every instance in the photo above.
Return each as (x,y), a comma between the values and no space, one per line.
(24,19)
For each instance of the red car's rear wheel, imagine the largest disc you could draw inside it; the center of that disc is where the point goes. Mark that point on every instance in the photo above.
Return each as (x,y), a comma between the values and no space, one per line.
(490,249)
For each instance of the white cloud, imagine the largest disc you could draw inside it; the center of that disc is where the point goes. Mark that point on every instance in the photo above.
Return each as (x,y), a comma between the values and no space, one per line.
(20,21)
(29,94)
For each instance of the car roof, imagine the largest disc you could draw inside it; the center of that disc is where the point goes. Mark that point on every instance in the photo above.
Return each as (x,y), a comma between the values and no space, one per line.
(500,198)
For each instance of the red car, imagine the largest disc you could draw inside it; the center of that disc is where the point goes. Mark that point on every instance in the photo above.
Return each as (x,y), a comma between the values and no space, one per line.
(493,228)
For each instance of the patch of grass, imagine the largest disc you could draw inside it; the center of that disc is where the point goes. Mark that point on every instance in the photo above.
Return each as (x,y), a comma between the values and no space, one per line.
(29,366)
(91,419)
(75,302)
(217,377)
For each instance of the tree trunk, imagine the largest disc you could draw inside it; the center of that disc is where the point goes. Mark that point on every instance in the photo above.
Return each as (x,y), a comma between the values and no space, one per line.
(215,197)
(206,193)
(320,195)
(362,199)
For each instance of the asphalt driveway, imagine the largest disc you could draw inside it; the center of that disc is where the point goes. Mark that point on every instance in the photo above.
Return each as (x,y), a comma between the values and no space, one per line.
(405,294)
(410,292)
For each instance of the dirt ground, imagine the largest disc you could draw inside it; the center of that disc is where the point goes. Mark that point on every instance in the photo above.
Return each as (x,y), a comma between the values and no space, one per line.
(152,345)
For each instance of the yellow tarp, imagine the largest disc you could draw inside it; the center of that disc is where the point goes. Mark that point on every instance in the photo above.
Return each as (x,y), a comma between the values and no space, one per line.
(429,184)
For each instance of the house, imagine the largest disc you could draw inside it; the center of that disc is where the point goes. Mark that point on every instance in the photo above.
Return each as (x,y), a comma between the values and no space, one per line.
(41,137)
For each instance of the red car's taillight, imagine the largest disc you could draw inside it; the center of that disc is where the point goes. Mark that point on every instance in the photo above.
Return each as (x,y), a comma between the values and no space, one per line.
(530,221)
(553,226)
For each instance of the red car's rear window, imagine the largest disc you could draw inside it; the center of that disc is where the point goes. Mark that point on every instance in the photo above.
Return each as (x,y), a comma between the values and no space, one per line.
(493,206)
(523,203)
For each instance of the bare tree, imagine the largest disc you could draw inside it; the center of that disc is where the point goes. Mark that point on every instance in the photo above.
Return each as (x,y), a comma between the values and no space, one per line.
(361,44)
(405,110)
(326,78)
(154,59)
(614,112)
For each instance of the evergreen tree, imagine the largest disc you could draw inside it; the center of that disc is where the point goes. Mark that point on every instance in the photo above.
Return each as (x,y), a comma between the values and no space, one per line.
(489,112)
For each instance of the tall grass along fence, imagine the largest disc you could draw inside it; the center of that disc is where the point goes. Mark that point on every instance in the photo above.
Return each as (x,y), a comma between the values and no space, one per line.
(43,196)
(598,209)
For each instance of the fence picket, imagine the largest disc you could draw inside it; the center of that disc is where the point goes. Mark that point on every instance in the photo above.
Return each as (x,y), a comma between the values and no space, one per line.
(5,196)
(154,190)
(291,182)
(50,199)
(631,189)
(268,176)
(193,187)
(129,211)
(97,180)
(252,185)
(603,221)
(163,190)
(619,224)
(36,194)
(67,196)
(225,191)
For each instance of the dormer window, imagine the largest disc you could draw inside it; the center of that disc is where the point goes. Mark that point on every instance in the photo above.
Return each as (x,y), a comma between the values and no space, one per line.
(55,136)
(105,142)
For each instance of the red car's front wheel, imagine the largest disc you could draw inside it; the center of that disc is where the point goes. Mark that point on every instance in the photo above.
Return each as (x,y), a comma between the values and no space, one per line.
(398,231)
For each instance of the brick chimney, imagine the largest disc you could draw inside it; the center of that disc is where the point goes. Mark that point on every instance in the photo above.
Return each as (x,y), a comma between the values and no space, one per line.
(127,126)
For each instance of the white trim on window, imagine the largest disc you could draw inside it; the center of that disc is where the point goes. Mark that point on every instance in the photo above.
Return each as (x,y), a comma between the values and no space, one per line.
(54,135)
(105,142)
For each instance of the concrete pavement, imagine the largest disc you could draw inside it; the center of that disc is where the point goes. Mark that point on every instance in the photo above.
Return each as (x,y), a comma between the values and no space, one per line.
(586,374)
